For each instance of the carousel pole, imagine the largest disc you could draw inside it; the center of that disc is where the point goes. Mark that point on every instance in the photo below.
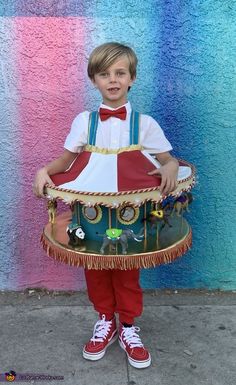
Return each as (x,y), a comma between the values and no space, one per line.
(109,225)
(157,233)
(77,213)
(145,226)
(157,236)
(182,219)
(116,228)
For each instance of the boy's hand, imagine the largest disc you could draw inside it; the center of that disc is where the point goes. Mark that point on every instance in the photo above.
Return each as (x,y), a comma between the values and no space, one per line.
(168,173)
(41,179)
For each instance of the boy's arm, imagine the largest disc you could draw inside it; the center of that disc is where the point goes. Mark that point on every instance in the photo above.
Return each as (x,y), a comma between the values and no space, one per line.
(58,165)
(168,171)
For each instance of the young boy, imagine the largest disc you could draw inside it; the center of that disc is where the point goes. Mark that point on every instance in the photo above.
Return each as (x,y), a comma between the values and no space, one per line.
(112,70)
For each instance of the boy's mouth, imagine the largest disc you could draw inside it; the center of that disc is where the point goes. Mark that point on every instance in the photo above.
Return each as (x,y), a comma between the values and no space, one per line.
(113,89)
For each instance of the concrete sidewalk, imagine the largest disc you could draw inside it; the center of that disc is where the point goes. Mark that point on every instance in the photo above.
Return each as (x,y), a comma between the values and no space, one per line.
(191,336)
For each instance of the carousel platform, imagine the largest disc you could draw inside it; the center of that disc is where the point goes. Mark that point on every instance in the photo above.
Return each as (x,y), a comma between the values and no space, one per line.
(173,241)
(123,229)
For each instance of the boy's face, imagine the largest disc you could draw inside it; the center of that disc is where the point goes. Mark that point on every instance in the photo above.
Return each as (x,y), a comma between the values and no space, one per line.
(113,83)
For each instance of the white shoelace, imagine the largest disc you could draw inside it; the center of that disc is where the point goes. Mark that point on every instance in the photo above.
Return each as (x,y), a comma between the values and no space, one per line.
(131,337)
(101,330)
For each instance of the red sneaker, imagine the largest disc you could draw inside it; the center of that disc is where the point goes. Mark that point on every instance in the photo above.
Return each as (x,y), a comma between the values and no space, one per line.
(104,334)
(130,342)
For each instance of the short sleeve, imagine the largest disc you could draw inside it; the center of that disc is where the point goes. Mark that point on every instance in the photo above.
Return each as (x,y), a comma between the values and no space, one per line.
(77,137)
(152,137)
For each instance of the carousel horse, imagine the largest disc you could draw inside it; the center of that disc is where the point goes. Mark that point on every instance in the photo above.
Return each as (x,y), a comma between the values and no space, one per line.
(181,203)
(52,207)
(160,215)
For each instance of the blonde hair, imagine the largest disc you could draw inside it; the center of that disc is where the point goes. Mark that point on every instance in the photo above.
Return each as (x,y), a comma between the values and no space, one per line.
(106,54)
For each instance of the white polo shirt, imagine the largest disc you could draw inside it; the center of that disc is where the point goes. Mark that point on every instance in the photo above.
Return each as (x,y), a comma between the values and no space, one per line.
(113,133)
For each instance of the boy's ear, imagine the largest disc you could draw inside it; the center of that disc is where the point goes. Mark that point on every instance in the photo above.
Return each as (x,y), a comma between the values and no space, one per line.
(93,81)
(132,81)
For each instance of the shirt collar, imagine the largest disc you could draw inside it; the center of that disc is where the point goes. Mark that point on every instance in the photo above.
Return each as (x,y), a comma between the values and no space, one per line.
(126,105)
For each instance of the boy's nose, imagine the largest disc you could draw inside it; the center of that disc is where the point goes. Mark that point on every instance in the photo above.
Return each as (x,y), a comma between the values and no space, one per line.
(112,78)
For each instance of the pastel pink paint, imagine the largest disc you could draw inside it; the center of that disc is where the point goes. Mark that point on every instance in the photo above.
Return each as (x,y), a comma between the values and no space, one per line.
(51,68)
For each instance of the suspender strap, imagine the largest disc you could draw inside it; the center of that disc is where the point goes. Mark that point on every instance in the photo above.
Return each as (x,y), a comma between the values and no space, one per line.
(134,128)
(92,129)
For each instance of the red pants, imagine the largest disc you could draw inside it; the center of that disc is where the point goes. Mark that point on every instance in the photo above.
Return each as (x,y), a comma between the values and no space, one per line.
(117,291)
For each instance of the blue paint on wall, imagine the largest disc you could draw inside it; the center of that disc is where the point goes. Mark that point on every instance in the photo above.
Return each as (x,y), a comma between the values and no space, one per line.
(196,107)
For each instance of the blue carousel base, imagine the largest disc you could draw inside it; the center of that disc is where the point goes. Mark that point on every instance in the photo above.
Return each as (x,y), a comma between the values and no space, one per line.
(160,245)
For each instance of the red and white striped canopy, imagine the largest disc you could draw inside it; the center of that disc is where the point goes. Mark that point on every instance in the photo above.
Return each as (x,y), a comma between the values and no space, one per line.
(112,172)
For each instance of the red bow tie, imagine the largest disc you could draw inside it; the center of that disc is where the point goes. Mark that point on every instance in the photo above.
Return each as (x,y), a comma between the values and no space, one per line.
(119,113)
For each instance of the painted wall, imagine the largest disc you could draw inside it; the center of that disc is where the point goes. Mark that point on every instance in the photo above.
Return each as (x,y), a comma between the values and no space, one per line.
(186,80)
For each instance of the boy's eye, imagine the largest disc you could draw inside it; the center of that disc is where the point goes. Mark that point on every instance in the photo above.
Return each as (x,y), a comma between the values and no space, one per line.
(105,74)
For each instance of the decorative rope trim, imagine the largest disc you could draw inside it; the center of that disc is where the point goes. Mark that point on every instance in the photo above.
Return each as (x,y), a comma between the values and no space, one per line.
(78,195)
(135,202)
(122,262)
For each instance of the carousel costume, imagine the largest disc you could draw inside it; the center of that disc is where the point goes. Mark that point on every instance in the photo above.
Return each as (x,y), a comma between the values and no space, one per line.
(117,218)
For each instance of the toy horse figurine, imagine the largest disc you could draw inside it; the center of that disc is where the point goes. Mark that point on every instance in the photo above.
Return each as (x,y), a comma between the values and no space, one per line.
(157,219)
(159,216)
(181,203)
(52,208)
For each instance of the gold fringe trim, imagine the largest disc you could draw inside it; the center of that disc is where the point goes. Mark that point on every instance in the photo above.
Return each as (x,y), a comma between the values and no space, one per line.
(122,262)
